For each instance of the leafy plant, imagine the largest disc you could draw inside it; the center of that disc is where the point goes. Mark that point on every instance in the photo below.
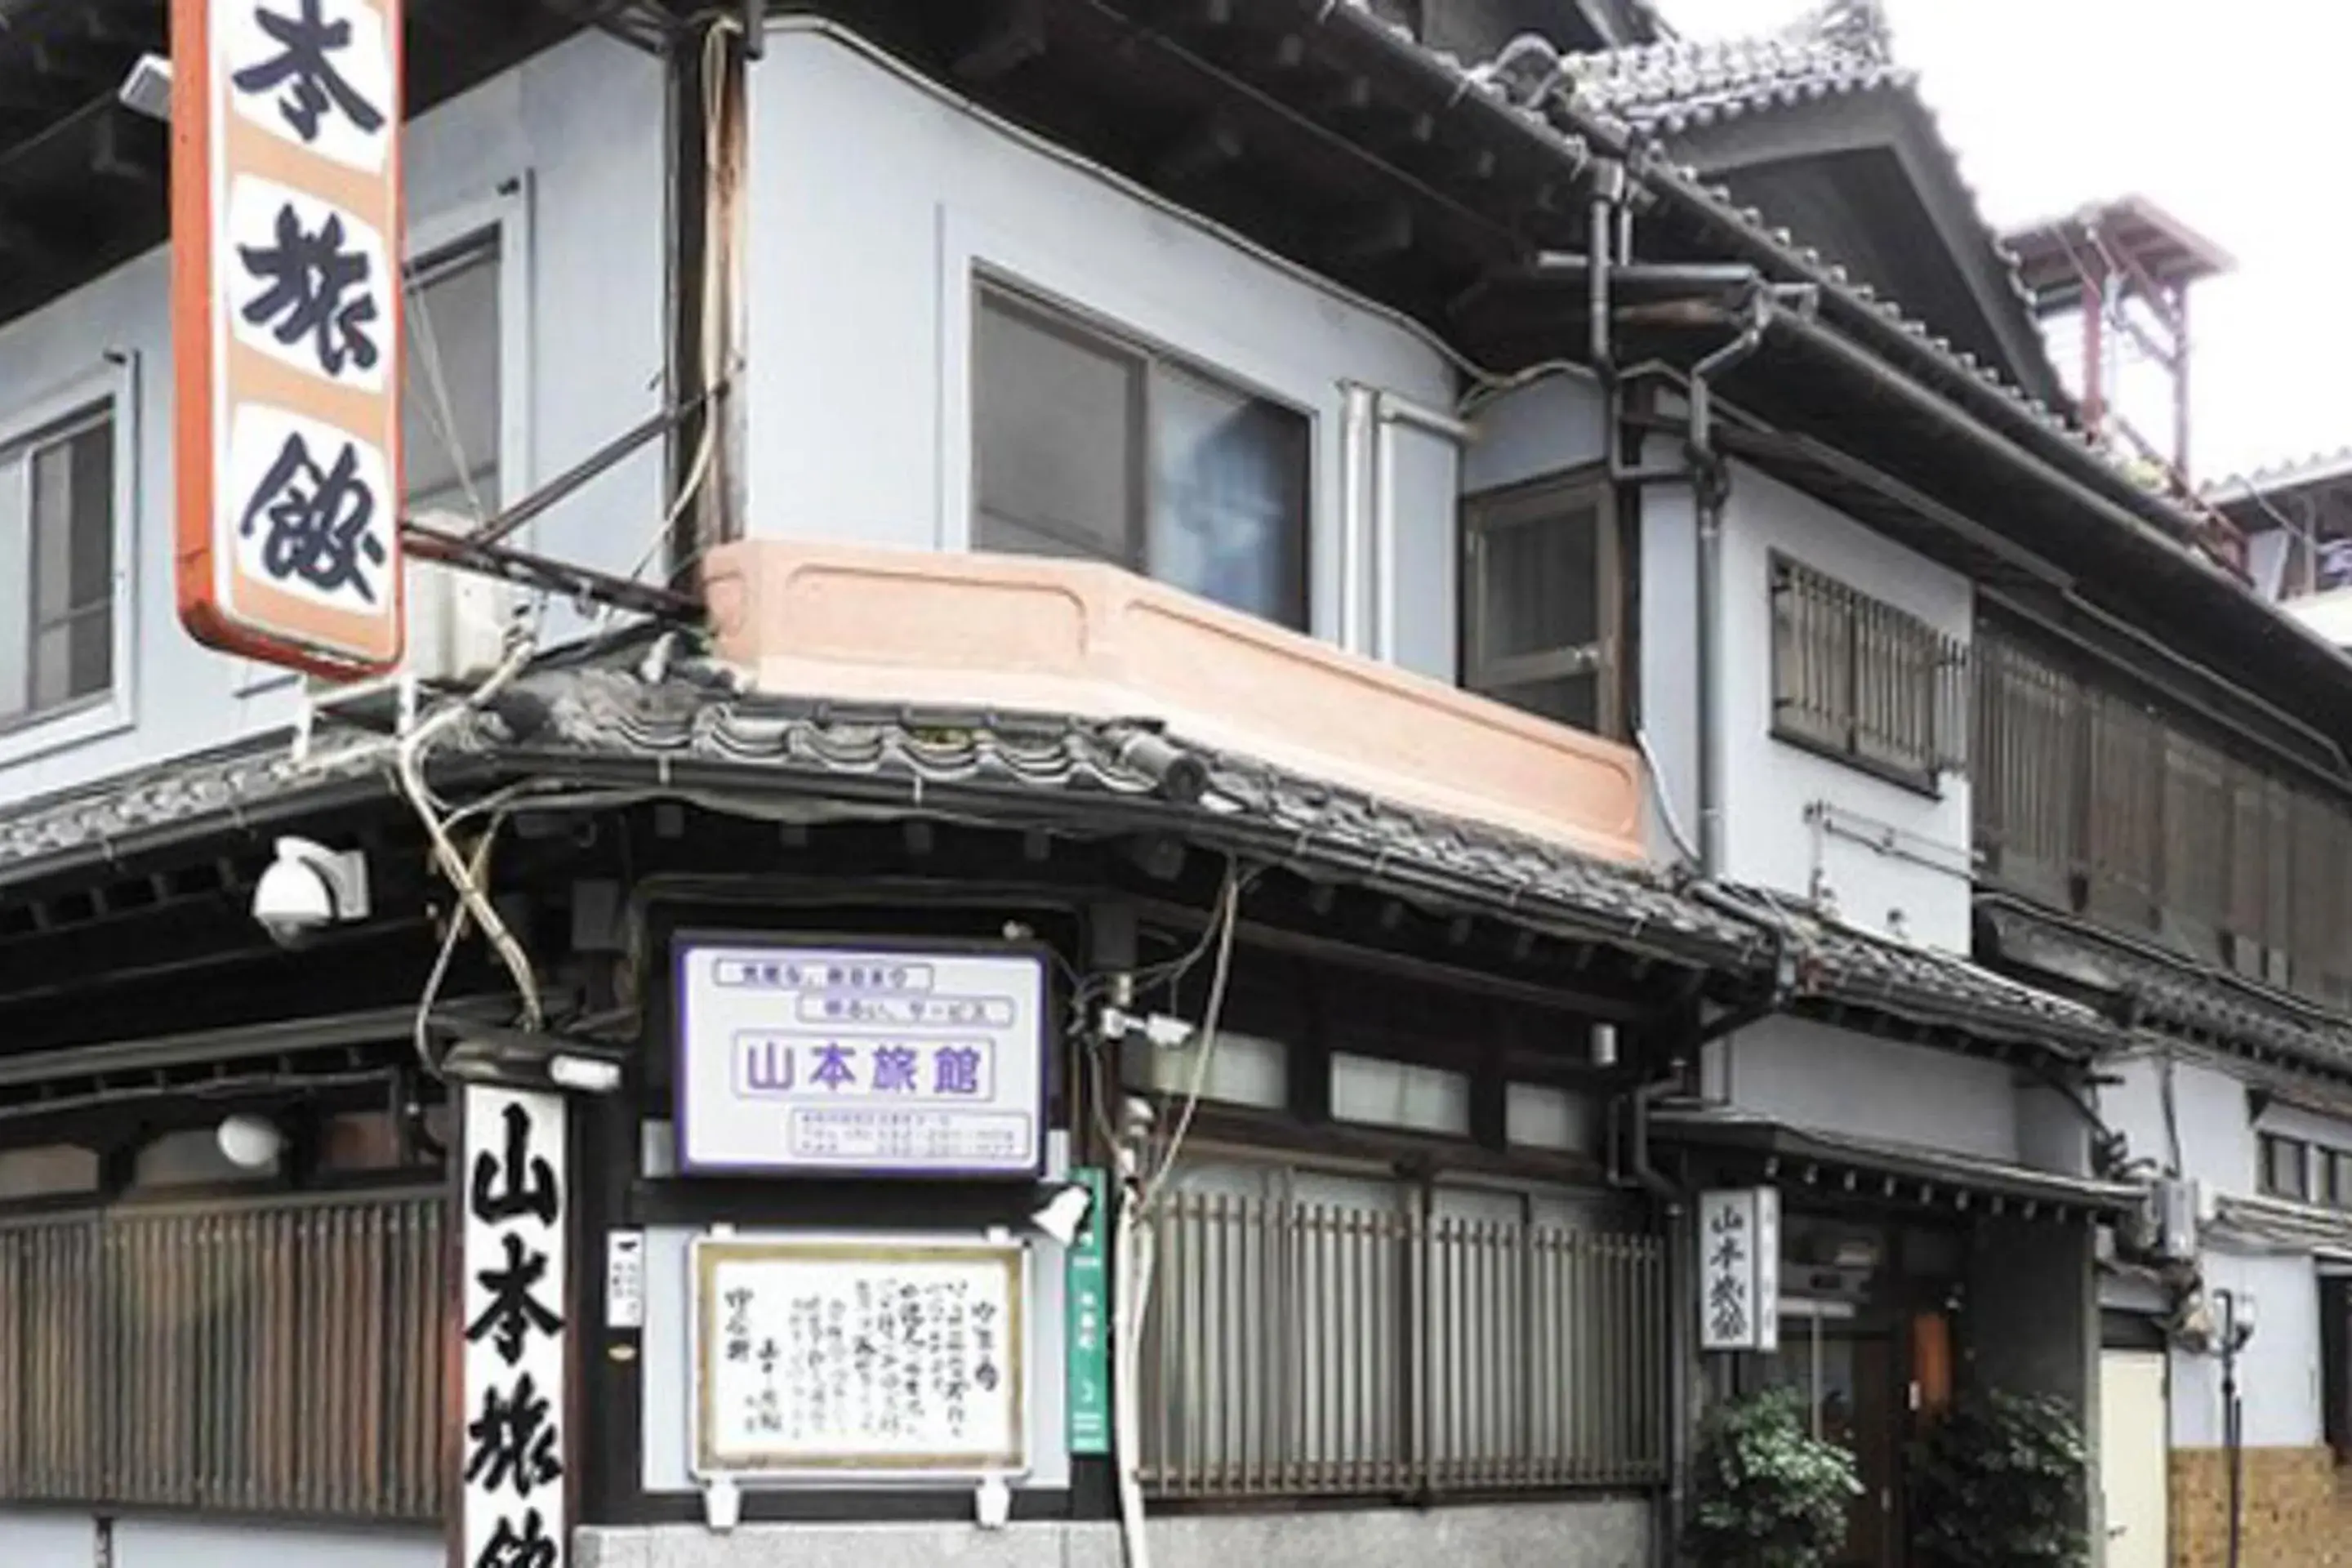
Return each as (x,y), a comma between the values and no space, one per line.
(2001,1482)
(1768,1493)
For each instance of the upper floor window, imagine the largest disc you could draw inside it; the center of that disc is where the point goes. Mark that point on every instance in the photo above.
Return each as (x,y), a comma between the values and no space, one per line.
(56,541)
(451,394)
(1540,587)
(2286,1167)
(1866,683)
(1089,447)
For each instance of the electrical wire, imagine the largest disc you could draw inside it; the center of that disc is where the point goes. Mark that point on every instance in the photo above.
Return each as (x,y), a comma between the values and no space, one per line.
(476,903)
(1228,919)
(709,349)
(459,920)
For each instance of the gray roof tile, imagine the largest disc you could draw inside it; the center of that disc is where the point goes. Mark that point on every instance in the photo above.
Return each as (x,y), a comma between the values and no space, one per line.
(1039,770)
(2175,995)
(1841,49)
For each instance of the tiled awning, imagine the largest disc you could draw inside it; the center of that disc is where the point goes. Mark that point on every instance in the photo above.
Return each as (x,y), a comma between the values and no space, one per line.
(1840,1164)
(692,735)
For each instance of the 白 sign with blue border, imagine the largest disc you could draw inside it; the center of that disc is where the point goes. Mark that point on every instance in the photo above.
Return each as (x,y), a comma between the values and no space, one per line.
(860,1060)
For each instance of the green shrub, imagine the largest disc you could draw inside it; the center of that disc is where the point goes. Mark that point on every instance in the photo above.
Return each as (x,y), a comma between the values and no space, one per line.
(2001,1482)
(1769,1494)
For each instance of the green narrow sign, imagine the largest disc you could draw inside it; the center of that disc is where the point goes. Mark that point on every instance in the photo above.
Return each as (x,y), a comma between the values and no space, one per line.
(1087,1284)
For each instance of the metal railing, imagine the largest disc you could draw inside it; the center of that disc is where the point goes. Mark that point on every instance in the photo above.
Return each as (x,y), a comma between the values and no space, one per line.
(1301,1349)
(1856,677)
(279,1355)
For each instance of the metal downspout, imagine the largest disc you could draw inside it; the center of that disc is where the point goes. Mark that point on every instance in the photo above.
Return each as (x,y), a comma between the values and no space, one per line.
(1710,487)
(1682,1313)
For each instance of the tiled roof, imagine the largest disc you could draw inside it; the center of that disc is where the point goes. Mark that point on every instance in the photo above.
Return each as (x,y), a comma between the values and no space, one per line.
(688,736)
(1668,89)
(1671,87)
(2175,995)
(238,787)
(2318,468)
(1719,1125)
(1533,82)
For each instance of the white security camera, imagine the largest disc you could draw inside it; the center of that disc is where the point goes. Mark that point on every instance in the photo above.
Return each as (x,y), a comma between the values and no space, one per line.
(308,888)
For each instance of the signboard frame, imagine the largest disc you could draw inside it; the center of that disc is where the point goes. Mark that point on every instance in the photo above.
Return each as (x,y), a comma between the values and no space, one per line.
(216,377)
(684,942)
(1752,1215)
(514,1342)
(708,1252)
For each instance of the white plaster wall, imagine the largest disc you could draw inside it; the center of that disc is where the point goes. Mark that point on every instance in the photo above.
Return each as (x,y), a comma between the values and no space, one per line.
(178,1543)
(44,1539)
(1546,427)
(2217,1142)
(572,139)
(1811,1075)
(1769,784)
(876,201)
(2278,1372)
(1669,655)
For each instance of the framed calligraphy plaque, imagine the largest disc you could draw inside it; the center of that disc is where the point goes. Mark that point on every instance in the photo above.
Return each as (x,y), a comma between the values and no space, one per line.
(286,328)
(1739,1269)
(821,1359)
(913,1060)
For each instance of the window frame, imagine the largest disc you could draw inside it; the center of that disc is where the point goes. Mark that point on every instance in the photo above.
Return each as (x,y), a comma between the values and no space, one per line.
(1527,504)
(2267,1145)
(1946,679)
(1098,332)
(111,394)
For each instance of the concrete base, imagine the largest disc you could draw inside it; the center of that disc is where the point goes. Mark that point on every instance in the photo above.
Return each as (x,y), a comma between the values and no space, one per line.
(1613,1533)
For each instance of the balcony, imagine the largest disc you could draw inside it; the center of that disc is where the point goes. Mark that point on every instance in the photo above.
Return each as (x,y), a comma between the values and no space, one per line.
(1021,633)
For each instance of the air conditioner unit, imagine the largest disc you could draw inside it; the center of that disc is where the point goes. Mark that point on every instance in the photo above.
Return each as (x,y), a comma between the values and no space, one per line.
(456,631)
(458,622)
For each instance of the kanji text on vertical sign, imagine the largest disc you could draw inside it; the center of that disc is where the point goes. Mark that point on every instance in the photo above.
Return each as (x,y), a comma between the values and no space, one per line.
(1739,1269)
(512,1450)
(1087,1293)
(285,327)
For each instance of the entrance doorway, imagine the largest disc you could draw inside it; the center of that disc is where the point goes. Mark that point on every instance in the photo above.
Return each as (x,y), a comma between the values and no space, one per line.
(1847,1373)
(2134,1443)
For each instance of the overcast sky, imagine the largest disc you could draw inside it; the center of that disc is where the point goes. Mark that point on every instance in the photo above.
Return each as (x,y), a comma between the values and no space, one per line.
(2236,118)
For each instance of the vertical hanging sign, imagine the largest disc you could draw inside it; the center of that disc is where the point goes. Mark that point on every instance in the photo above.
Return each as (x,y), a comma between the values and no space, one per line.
(1088,1288)
(1739,1269)
(513,1448)
(286,328)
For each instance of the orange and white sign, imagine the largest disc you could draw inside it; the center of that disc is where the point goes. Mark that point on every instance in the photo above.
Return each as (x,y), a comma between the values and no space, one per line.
(286,320)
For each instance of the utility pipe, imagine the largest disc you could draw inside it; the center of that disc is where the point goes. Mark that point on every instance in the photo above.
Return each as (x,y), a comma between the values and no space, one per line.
(1608,190)
(1582,133)
(1709,488)
(1356,435)
(1682,1309)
